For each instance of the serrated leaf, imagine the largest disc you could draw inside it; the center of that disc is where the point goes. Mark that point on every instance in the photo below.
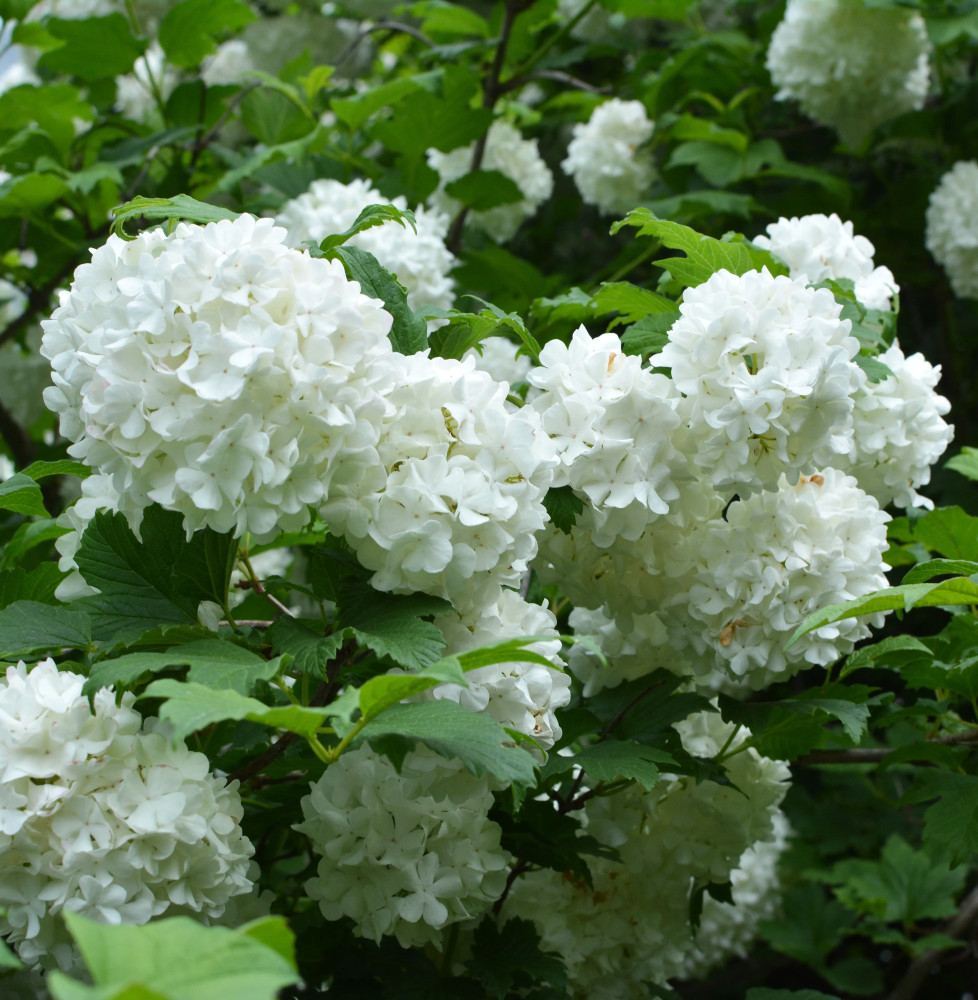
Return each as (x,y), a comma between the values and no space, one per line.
(369,217)
(875,370)
(649,335)
(891,652)
(632,302)
(38,584)
(180,206)
(31,627)
(379,693)
(949,532)
(564,507)
(451,731)
(704,255)
(409,334)
(22,495)
(189,31)
(951,823)
(92,48)
(311,651)
(613,759)
(509,958)
(178,958)
(215,663)
(190,707)
(811,927)
(482,190)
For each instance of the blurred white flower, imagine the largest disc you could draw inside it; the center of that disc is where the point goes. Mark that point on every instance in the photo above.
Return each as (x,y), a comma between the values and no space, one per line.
(952,227)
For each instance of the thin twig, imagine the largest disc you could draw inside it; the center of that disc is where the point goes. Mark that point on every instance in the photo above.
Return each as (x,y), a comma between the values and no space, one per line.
(919,969)
(553,74)
(395,27)
(872,755)
(208,136)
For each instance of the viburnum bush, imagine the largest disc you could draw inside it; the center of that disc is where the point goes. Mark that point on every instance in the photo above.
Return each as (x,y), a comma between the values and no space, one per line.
(480,515)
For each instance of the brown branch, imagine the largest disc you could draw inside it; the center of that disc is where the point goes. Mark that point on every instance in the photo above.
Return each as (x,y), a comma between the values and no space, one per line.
(254,766)
(553,74)
(873,755)
(919,969)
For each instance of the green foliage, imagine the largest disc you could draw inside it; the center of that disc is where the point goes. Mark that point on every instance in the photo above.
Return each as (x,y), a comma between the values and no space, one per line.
(509,957)
(564,506)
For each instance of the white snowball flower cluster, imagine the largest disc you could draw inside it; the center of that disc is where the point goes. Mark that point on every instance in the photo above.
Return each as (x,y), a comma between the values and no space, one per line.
(101,817)
(402,854)
(952,227)
(899,430)
(420,260)
(777,558)
(631,927)
(152,79)
(219,373)
(517,158)
(612,422)
(604,158)
(816,247)
(521,695)
(455,503)
(499,358)
(228,65)
(849,65)
(766,366)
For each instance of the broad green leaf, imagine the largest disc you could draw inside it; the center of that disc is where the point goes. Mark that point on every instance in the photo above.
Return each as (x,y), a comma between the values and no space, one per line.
(215,663)
(311,651)
(63,988)
(22,495)
(370,216)
(951,823)
(892,652)
(690,127)
(966,463)
(811,928)
(943,30)
(875,370)
(29,536)
(409,333)
(505,651)
(190,707)
(704,255)
(36,584)
(451,731)
(180,959)
(632,303)
(54,109)
(61,467)
(649,335)
(450,19)
(180,206)
(31,627)
(354,111)
(466,330)
(484,189)
(923,572)
(8,960)
(949,532)
(29,194)
(189,31)
(275,117)
(509,957)
(614,759)
(93,48)
(380,693)
(564,507)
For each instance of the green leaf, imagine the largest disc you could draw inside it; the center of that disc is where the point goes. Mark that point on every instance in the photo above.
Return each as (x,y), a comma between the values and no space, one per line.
(811,927)
(95,48)
(409,334)
(892,652)
(190,30)
(903,885)
(276,117)
(39,584)
(704,255)
(8,960)
(690,127)
(509,958)
(22,495)
(311,651)
(875,370)
(379,693)
(215,663)
(53,109)
(951,823)
(614,759)
(29,536)
(923,572)
(180,959)
(663,10)
(180,206)
(720,891)
(451,731)
(392,625)
(949,532)
(564,507)
(354,111)
(31,627)
(190,707)
(649,335)
(966,463)
(370,216)
(632,303)
(467,330)
(61,467)
(29,194)
(484,189)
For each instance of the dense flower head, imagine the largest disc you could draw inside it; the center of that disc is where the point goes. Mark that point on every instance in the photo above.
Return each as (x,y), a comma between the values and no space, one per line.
(151,79)
(513,156)
(219,373)
(631,926)
(402,854)
(766,366)
(778,557)
(522,695)
(604,157)
(850,65)
(612,422)
(899,430)
(420,260)
(816,247)
(228,65)
(455,502)
(952,227)
(498,356)
(101,814)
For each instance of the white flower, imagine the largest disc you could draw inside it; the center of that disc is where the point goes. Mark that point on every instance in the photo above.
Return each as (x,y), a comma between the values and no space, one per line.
(766,366)
(816,247)
(631,927)
(512,155)
(850,65)
(899,430)
(498,357)
(102,815)
(402,854)
(219,373)
(603,160)
(779,557)
(228,65)
(520,695)
(420,260)
(952,227)
(456,501)
(151,79)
